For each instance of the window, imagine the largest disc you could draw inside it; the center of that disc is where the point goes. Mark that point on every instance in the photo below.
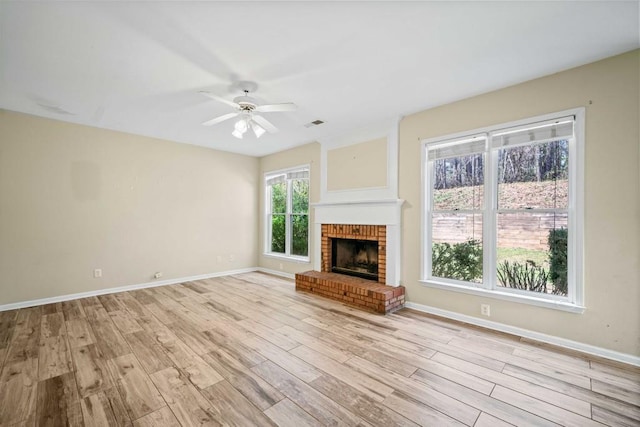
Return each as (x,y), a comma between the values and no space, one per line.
(503,211)
(287,205)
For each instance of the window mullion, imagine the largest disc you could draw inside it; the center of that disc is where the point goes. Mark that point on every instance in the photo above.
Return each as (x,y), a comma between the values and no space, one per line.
(269,203)
(572,227)
(429,218)
(490,217)
(287,227)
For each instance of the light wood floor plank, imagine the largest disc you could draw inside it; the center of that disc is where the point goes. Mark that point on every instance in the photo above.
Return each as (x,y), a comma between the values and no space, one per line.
(369,386)
(7,323)
(25,342)
(55,357)
(286,413)
(359,403)
(150,354)
(52,325)
(426,394)
(124,321)
(286,360)
(80,333)
(59,402)
(541,409)
(163,417)
(427,372)
(317,345)
(18,391)
(486,420)
(110,303)
(73,310)
(230,407)
(418,412)
(237,349)
(200,373)
(108,338)
(254,388)
(186,402)
(144,297)
(105,408)
(90,369)
(138,392)
(578,406)
(321,407)
(610,418)
(617,392)
(611,404)
(269,334)
(192,337)
(248,349)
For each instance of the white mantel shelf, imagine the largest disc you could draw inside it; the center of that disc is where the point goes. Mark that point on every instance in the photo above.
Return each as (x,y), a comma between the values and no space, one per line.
(371,212)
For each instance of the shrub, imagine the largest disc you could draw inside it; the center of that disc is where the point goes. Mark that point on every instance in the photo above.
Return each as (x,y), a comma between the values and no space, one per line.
(558,260)
(461,261)
(528,276)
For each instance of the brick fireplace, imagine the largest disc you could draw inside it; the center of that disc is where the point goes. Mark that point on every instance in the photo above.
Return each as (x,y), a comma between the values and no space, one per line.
(357,291)
(375,233)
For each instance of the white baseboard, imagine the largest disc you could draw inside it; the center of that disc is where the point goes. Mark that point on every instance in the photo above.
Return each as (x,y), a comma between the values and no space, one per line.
(276,272)
(525,333)
(69,297)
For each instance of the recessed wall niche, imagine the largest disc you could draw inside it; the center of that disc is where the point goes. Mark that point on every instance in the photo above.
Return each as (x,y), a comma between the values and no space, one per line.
(362,165)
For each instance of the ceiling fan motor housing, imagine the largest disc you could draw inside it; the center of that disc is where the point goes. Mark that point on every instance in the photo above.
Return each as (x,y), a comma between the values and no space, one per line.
(246,103)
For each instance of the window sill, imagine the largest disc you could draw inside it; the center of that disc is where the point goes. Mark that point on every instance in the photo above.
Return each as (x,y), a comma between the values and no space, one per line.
(522,299)
(290,258)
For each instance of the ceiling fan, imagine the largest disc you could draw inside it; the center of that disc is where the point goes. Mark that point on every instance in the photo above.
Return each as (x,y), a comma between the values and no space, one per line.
(246,108)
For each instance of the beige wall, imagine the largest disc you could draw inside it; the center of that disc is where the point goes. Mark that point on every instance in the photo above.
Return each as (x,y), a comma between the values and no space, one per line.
(308,154)
(75,198)
(610,91)
(362,165)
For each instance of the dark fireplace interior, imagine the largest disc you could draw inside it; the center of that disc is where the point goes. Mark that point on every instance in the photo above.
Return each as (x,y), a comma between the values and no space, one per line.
(355,257)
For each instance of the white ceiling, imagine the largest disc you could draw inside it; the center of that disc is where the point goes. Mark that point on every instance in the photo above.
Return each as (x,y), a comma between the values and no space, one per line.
(137,67)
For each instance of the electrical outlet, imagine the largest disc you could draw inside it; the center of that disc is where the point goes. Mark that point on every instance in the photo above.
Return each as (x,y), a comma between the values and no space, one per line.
(232,258)
(485,310)
(97,273)
(281,266)
(158,275)
(219,259)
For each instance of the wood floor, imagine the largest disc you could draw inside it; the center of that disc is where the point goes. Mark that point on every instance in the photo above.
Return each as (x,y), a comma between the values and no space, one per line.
(248,350)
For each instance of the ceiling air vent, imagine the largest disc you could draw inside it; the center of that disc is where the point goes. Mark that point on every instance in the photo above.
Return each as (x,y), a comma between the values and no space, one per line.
(314,123)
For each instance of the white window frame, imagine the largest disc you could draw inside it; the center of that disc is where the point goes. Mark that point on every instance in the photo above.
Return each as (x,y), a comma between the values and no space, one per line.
(267,214)
(574,301)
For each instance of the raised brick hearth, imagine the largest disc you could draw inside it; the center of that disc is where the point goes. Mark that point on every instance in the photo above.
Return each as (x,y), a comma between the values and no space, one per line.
(354,291)
(362,293)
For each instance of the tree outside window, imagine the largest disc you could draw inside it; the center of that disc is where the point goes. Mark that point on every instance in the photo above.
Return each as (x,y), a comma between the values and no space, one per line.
(288,213)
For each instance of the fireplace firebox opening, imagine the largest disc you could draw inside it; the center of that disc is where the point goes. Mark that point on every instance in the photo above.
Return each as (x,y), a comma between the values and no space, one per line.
(355,258)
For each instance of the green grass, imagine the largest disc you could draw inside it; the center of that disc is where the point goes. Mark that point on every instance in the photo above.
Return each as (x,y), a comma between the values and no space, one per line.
(523,255)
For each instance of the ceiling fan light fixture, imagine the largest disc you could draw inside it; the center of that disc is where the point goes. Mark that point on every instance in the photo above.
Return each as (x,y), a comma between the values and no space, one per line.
(241,125)
(237,134)
(257,129)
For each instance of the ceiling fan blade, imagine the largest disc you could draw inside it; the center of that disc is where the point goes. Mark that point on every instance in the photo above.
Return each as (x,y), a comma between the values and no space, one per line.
(266,125)
(271,108)
(219,119)
(220,99)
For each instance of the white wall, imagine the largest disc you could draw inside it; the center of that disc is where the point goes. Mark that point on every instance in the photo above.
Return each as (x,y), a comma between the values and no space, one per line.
(75,198)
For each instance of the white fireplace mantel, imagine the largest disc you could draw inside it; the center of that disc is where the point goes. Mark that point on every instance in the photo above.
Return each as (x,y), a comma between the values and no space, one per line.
(369,212)
(363,212)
